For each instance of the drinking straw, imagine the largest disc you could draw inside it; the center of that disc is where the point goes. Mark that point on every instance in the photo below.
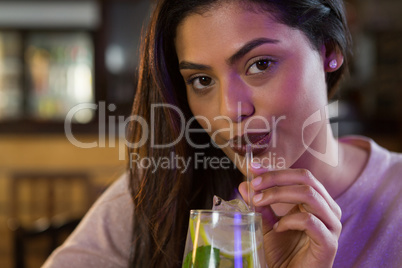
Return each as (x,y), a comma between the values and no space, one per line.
(250,176)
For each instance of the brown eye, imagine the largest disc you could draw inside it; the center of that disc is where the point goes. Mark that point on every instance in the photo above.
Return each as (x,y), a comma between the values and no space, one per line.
(262,65)
(205,81)
(201,82)
(259,66)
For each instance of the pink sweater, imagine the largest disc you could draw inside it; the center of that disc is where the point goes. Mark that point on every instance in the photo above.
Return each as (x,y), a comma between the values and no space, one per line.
(371,207)
(372,212)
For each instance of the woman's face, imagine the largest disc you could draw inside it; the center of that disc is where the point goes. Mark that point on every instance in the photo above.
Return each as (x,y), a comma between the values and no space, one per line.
(251,77)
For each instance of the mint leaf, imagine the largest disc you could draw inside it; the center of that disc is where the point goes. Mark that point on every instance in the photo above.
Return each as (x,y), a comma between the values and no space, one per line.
(187,260)
(206,257)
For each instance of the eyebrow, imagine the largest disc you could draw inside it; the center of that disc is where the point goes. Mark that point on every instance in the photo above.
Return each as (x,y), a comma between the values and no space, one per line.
(189,65)
(250,46)
(235,57)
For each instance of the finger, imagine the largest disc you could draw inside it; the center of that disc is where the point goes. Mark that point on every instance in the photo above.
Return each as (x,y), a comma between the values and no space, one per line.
(291,177)
(258,168)
(269,218)
(243,190)
(305,195)
(312,226)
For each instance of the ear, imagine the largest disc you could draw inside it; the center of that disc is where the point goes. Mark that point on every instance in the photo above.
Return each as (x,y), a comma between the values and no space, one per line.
(332,58)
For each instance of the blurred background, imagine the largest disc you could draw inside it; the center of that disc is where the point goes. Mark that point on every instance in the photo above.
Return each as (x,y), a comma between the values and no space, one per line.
(55,55)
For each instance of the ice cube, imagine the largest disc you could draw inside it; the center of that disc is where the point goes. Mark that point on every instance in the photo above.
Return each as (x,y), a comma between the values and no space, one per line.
(233,205)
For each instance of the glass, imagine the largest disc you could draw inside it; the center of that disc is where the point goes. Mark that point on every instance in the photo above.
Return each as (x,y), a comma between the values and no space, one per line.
(224,239)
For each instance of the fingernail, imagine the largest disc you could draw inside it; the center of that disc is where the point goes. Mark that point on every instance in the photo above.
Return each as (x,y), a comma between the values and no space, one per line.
(257,198)
(256,181)
(275,225)
(256,165)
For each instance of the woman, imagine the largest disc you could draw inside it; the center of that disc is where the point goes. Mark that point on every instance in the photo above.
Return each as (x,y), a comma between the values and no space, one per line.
(258,72)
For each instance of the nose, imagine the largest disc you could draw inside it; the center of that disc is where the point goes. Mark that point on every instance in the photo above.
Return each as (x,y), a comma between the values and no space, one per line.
(236,100)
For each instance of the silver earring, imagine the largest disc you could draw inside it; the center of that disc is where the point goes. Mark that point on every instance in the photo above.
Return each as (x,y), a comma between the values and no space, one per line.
(333,64)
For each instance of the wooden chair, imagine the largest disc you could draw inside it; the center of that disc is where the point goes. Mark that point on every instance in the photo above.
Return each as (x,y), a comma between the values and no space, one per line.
(46,205)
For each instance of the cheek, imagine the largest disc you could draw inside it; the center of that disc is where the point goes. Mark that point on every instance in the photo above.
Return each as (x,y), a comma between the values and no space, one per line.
(208,116)
(300,92)
(194,105)
(283,96)
(201,113)
(206,107)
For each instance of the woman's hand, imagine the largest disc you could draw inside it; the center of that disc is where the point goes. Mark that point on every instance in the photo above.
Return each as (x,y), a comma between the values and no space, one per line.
(307,235)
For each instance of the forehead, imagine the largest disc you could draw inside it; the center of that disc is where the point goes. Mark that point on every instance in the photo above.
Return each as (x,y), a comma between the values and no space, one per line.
(227,27)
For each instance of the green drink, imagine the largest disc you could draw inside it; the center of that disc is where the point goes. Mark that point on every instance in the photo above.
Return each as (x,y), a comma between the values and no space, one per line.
(224,239)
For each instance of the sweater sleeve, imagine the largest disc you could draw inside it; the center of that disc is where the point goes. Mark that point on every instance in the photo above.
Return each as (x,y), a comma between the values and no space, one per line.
(103,237)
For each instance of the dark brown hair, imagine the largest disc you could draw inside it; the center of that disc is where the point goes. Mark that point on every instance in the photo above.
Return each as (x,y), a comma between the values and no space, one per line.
(162,200)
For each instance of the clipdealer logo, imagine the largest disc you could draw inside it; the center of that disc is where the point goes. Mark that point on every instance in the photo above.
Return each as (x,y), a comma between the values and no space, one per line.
(148,129)
(329,111)
(117,126)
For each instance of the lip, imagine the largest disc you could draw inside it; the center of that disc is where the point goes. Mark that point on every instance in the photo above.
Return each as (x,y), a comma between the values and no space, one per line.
(259,142)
